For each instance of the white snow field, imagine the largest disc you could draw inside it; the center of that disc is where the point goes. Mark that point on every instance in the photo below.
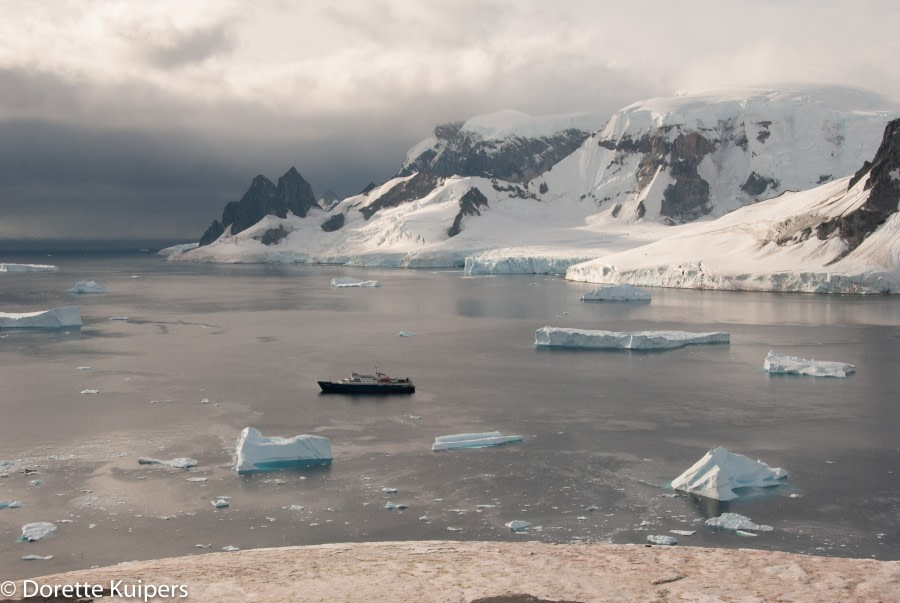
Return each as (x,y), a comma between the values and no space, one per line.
(623,340)
(473,440)
(256,452)
(56,318)
(794,365)
(720,472)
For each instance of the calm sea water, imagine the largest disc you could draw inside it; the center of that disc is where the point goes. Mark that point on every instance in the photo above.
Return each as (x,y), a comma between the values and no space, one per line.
(208,350)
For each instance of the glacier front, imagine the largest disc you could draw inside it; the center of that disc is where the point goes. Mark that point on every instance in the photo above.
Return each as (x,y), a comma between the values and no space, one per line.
(561,337)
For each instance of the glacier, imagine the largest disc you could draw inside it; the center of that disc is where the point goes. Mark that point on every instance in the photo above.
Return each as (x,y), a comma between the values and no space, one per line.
(256,452)
(55,318)
(720,472)
(794,365)
(473,440)
(623,340)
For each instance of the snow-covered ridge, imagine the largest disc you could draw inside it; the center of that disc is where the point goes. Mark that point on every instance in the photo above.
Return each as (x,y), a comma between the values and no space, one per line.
(509,122)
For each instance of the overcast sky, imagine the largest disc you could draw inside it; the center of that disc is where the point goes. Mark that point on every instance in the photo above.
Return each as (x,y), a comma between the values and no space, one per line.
(142,119)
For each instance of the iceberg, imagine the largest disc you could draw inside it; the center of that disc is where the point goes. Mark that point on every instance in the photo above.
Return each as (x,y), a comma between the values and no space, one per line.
(473,440)
(349,281)
(720,472)
(36,531)
(623,340)
(28,268)
(518,525)
(662,540)
(622,292)
(179,463)
(10,504)
(56,318)
(256,452)
(87,287)
(793,365)
(36,558)
(736,522)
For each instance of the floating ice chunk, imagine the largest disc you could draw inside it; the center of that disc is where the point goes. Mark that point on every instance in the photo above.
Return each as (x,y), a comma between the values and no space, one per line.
(734,521)
(404,334)
(36,531)
(662,539)
(473,440)
(178,463)
(28,268)
(390,506)
(793,365)
(624,340)
(720,472)
(230,548)
(745,534)
(82,368)
(518,525)
(296,507)
(56,318)
(118,318)
(90,391)
(10,504)
(256,452)
(617,293)
(87,287)
(389,490)
(684,532)
(349,281)
(220,503)
(196,479)
(36,558)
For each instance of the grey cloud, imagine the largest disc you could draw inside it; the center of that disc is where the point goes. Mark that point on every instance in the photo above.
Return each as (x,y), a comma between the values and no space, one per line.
(188,47)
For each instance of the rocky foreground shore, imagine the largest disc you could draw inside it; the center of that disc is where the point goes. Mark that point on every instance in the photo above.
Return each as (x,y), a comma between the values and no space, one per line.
(495,571)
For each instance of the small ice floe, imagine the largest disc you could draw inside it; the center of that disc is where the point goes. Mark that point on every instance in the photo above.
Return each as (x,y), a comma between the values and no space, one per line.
(36,558)
(745,534)
(349,281)
(451,529)
(720,472)
(474,440)
(518,525)
(622,292)
(230,548)
(82,368)
(36,482)
(10,504)
(389,490)
(256,452)
(202,546)
(87,287)
(623,340)
(424,519)
(296,507)
(684,532)
(734,521)
(592,508)
(404,334)
(90,391)
(793,365)
(415,417)
(196,479)
(661,539)
(37,531)
(390,506)
(485,506)
(118,318)
(177,463)
(28,268)
(221,502)
(55,318)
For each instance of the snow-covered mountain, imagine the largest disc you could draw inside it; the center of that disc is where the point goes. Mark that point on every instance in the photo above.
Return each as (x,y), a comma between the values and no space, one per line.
(653,165)
(843,236)
(681,158)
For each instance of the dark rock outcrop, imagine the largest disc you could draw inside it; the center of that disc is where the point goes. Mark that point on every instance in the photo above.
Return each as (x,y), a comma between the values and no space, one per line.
(884,194)
(262,199)
(459,152)
(415,188)
(468,206)
(335,222)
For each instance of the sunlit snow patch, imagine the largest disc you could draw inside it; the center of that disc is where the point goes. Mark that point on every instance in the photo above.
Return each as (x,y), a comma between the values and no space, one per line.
(349,281)
(56,318)
(473,440)
(622,292)
(87,287)
(256,452)
(793,365)
(623,340)
(720,472)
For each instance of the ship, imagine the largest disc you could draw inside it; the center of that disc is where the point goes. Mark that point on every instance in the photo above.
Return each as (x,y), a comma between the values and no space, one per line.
(379,383)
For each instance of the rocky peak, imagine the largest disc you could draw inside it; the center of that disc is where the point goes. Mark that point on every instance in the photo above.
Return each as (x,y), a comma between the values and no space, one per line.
(328,200)
(297,193)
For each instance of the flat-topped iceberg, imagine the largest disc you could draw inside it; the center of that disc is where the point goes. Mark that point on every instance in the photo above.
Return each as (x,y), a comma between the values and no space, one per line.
(256,452)
(56,318)
(623,340)
(87,287)
(794,365)
(622,292)
(28,268)
(473,440)
(349,281)
(720,472)
(36,531)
